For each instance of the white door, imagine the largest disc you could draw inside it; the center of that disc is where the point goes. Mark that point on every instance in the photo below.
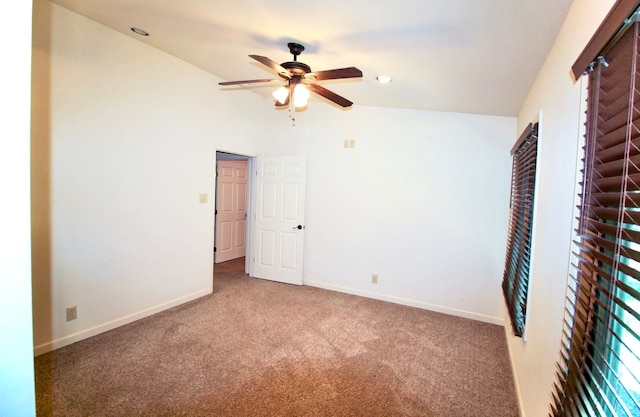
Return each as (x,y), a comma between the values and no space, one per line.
(279,219)
(231,210)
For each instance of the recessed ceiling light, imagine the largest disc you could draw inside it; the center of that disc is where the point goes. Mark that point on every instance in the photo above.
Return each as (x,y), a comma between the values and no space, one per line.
(384,79)
(139,31)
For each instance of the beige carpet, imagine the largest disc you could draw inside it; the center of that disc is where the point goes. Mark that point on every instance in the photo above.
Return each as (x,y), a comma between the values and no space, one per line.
(259,348)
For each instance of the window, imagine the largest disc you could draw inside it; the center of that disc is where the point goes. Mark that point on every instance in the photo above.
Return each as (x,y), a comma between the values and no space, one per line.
(600,367)
(515,281)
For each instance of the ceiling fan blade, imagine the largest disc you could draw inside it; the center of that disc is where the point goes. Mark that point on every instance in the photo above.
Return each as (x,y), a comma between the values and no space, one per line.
(329,95)
(267,80)
(271,64)
(350,72)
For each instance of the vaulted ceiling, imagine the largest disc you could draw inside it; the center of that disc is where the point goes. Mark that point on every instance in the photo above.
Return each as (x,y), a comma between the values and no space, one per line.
(470,56)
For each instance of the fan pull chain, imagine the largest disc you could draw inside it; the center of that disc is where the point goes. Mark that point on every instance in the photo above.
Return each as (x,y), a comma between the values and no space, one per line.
(291,115)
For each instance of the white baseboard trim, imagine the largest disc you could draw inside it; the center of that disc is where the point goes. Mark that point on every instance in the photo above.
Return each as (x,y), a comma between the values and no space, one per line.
(85,334)
(514,372)
(407,302)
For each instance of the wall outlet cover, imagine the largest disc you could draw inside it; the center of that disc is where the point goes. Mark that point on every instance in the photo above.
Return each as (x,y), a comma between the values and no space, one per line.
(72,313)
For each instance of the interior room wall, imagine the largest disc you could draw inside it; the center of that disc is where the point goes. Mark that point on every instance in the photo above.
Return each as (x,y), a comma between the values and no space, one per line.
(17,394)
(124,144)
(421,200)
(560,100)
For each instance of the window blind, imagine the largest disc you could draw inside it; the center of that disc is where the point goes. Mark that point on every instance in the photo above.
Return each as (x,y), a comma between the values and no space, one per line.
(515,282)
(599,370)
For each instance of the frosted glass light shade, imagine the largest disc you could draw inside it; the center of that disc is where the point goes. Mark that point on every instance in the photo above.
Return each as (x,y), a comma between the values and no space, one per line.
(300,96)
(281,94)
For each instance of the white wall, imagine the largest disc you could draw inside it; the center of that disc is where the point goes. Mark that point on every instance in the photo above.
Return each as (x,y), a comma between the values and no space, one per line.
(422,201)
(560,100)
(17,397)
(124,143)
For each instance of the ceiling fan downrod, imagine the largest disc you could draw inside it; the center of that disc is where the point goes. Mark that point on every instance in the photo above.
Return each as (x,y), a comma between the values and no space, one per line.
(295,49)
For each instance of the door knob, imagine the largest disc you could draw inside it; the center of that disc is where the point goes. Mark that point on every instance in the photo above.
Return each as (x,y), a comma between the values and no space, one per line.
(299,227)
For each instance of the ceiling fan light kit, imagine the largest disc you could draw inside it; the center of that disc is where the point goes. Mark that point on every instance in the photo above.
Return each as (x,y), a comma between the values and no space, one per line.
(300,96)
(301,80)
(281,94)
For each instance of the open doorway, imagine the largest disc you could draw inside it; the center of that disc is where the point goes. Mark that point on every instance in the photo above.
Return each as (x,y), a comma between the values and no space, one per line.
(232,208)
(269,224)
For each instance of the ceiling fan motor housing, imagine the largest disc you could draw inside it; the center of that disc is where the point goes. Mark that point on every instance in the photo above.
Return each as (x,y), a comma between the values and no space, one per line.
(295,68)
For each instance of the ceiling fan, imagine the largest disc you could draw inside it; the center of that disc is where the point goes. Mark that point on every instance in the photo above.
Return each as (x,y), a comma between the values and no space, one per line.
(300,79)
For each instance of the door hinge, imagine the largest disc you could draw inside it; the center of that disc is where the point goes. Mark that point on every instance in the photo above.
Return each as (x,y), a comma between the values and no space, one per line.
(214,249)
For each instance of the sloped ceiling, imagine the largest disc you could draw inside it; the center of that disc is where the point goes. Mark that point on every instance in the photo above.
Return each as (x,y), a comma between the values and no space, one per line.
(465,56)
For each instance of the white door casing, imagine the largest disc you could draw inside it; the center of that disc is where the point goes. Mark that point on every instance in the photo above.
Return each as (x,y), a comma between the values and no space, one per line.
(279,219)
(231,206)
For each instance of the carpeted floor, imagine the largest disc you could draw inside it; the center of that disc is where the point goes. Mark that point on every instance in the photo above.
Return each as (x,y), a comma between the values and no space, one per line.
(259,348)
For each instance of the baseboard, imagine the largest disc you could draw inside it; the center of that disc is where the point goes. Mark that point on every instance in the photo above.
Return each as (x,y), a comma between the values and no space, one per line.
(84,334)
(407,302)
(514,371)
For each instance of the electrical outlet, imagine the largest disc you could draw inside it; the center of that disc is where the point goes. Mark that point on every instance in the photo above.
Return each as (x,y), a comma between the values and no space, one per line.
(374,278)
(72,313)
(203,198)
